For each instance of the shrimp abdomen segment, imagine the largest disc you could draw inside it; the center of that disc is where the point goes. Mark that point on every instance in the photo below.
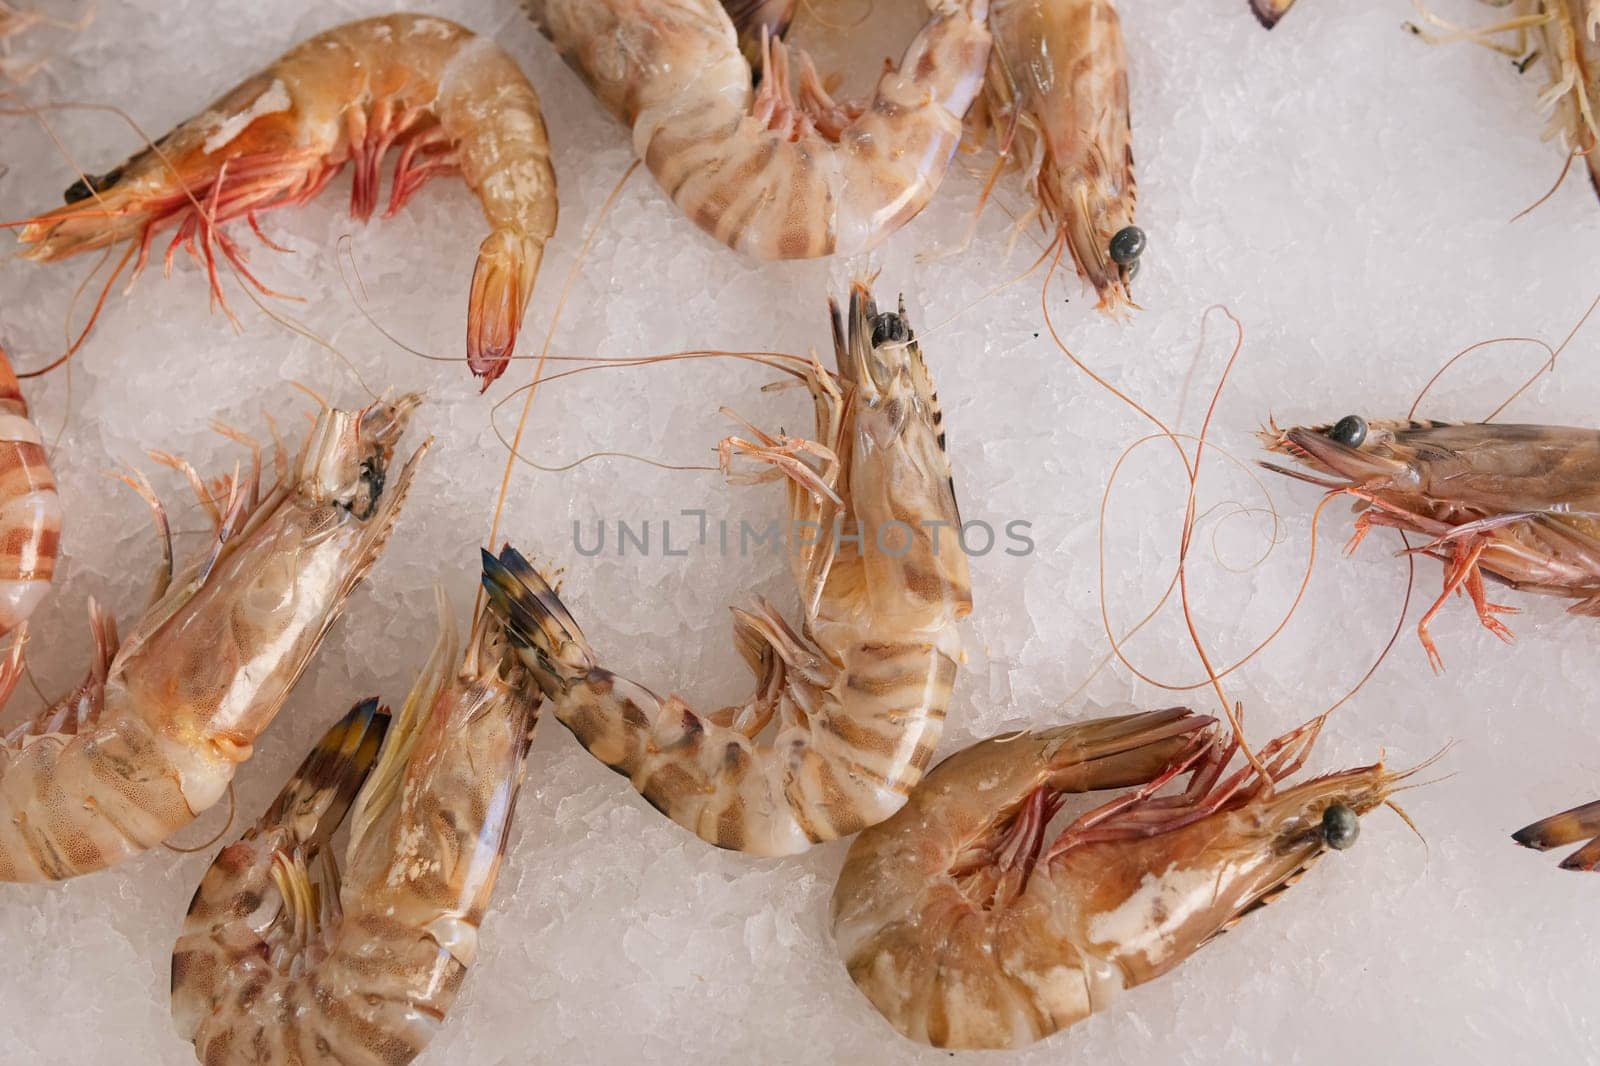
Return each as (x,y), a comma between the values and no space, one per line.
(30,508)
(490,113)
(897,152)
(127,795)
(819,780)
(755,171)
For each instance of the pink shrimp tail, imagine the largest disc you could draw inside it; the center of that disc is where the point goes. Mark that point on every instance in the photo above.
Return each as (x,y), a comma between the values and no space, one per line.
(508,265)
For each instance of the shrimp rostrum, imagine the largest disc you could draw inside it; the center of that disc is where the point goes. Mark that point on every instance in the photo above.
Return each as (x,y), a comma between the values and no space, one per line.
(282,958)
(967,926)
(856,698)
(447,98)
(153,735)
(774,173)
(1518,503)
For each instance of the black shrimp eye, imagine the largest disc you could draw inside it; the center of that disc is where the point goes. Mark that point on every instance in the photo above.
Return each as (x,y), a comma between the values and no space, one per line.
(1340,826)
(1128,244)
(888,327)
(86,187)
(1350,431)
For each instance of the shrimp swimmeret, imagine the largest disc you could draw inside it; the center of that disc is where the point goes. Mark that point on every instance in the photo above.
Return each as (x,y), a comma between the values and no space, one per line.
(766,172)
(447,98)
(363,967)
(154,734)
(859,693)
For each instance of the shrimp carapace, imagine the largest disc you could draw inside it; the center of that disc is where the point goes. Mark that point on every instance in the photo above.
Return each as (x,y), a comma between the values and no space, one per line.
(771,172)
(1580,824)
(30,509)
(447,98)
(154,734)
(967,925)
(1519,503)
(284,958)
(856,697)
(1056,102)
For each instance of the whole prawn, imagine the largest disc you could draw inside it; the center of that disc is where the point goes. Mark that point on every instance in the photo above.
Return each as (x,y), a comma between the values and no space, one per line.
(153,735)
(1519,503)
(30,513)
(272,966)
(447,98)
(1570,34)
(967,928)
(764,172)
(859,693)
(1056,99)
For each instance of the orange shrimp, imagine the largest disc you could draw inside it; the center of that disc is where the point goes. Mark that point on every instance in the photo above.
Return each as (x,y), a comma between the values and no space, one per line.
(447,98)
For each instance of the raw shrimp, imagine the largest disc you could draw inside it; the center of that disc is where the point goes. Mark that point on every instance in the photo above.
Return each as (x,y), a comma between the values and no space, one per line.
(1519,503)
(30,511)
(766,173)
(1056,100)
(966,928)
(449,99)
(860,692)
(153,736)
(1568,827)
(1570,32)
(272,966)
(1268,12)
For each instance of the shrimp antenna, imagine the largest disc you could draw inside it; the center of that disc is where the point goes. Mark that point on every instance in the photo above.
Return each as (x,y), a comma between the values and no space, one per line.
(538,366)
(1191,475)
(1566,168)
(1410,824)
(1548,366)
(322,403)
